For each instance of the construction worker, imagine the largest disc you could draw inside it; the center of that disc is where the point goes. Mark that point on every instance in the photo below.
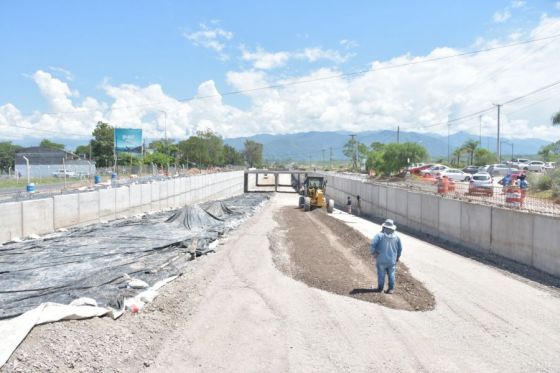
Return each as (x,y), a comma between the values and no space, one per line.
(386,248)
(349,204)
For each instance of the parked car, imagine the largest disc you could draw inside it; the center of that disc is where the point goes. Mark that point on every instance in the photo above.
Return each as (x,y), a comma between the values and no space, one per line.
(519,163)
(471,169)
(484,168)
(455,174)
(418,169)
(481,183)
(435,170)
(63,173)
(536,166)
(499,169)
(549,165)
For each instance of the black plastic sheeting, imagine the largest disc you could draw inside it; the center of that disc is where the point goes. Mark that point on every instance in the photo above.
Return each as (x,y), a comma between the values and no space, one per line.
(92,261)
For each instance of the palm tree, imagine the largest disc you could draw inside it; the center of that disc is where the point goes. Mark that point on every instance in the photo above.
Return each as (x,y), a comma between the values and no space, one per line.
(470,146)
(556,119)
(457,153)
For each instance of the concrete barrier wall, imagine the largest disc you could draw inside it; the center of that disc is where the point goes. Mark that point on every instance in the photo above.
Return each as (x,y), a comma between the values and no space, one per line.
(527,238)
(10,221)
(89,207)
(66,210)
(37,216)
(41,216)
(107,204)
(512,235)
(546,244)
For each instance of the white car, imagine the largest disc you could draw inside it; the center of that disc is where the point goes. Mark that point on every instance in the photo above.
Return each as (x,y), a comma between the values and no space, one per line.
(435,170)
(549,165)
(499,169)
(455,174)
(536,166)
(63,173)
(481,183)
(520,163)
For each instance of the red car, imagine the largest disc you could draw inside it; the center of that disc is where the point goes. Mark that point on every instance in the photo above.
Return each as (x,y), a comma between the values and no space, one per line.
(416,170)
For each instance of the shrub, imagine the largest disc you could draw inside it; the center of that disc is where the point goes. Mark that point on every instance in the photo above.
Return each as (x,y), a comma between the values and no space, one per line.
(544,182)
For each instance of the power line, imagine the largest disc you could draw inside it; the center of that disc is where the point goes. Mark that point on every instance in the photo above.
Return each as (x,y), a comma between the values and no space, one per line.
(491,108)
(306,81)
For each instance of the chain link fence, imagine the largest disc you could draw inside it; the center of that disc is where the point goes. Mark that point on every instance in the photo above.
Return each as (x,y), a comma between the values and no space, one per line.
(497,195)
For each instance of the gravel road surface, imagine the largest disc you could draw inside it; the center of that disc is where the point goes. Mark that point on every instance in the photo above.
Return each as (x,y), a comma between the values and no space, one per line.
(253,318)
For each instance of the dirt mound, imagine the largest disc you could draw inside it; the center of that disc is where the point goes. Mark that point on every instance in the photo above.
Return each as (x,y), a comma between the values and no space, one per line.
(325,253)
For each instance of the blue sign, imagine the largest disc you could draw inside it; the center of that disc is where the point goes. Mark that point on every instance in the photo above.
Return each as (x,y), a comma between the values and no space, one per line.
(128,140)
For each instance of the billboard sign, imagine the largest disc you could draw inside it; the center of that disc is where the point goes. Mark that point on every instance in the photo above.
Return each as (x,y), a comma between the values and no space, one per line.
(128,140)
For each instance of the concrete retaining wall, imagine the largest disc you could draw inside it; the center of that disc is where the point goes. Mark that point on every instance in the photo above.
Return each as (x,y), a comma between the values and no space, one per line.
(527,238)
(10,221)
(41,216)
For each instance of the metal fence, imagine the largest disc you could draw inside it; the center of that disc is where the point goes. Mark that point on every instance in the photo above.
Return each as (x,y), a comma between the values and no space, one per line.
(499,196)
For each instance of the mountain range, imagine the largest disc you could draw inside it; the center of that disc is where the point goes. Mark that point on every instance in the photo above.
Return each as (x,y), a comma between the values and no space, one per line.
(317,145)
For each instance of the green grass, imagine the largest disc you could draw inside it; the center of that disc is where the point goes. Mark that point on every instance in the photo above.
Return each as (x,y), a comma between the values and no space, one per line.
(12,183)
(545,194)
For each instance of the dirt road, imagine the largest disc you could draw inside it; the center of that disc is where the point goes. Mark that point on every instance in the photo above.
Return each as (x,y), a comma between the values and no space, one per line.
(252,318)
(235,311)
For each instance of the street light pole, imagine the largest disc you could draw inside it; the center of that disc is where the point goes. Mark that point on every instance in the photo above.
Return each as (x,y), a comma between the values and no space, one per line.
(165,136)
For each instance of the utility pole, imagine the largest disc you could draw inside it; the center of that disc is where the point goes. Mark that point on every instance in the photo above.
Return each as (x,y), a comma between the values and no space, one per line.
(354,151)
(330,158)
(323,151)
(498,145)
(480,124)
(448,145)
(398,134)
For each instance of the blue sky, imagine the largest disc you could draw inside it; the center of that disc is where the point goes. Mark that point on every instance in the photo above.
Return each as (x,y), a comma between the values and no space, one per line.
(112,51)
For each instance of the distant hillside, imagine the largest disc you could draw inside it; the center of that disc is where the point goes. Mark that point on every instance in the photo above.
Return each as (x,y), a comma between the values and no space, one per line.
(302,146)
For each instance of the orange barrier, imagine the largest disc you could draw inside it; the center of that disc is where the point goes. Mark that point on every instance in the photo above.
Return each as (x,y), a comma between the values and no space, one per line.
(513,197)
(443,185)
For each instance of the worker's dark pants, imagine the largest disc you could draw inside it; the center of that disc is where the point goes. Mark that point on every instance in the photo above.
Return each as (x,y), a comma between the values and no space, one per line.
(383,269)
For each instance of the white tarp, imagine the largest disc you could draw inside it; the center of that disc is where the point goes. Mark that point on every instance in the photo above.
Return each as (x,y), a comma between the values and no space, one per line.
(14,331)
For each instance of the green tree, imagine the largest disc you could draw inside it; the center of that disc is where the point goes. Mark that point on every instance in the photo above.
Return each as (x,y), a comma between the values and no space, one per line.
(126,159)
(350,150)
(165,147)
(398,156)
(46,143)
(204,149)
(550,152)
(159,159)
(470,147)
(253,153)
(102,144)
(83,150)
(483,157)
(377,146)
(7,155)
(556,119)
(457,154)
(232,156)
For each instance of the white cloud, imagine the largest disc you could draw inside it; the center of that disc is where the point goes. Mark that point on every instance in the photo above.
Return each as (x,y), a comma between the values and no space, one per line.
(517,4)
(265,60)
(65,73)
(210,37)
(502,16)
(348,44)
(262,59)
(419,97)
